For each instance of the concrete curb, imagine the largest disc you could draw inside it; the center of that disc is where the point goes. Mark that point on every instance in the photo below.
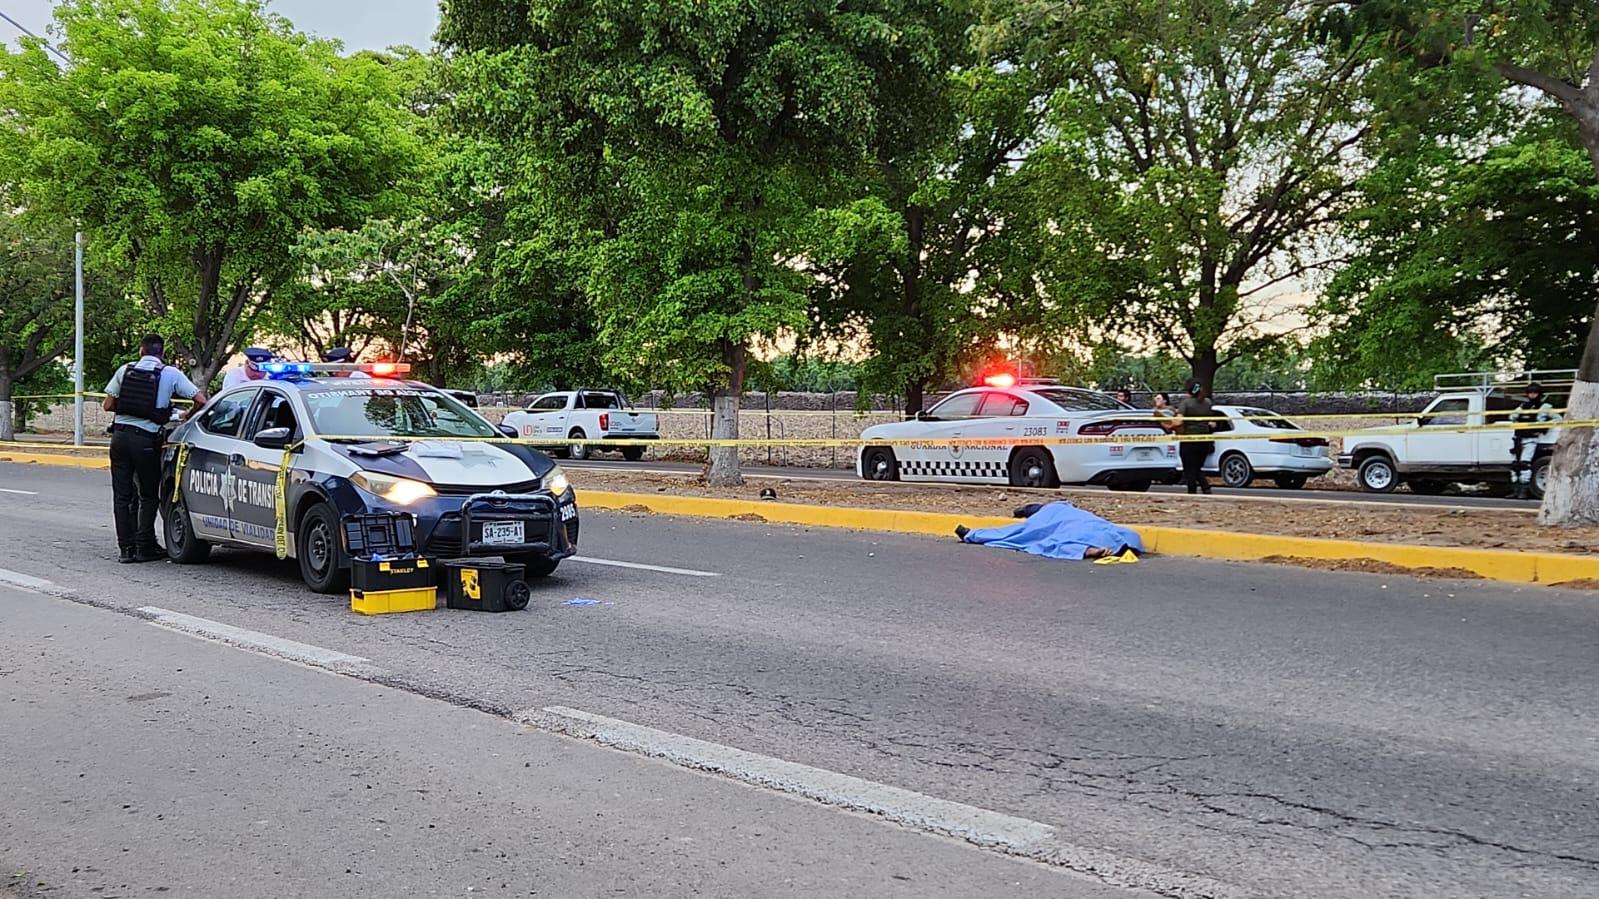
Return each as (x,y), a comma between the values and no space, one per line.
(1490,564)
(58,459)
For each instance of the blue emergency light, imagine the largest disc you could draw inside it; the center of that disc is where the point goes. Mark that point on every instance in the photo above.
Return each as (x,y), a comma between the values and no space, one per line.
(286,369)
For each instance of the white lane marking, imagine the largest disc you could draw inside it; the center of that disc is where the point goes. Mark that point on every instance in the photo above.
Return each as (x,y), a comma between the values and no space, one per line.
(19,492)
(255,640)
(25,581)
(686,572)
(989,829)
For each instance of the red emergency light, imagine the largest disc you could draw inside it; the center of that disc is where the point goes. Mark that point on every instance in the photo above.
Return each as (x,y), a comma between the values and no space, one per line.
(1003,380)
(385,369)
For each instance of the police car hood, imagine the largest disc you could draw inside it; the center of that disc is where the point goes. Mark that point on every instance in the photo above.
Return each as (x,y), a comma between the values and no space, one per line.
(457,463)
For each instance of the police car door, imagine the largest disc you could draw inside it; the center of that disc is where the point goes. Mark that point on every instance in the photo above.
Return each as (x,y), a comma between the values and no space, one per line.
(207,474)
(1001,418)
(255,469)
(944,461)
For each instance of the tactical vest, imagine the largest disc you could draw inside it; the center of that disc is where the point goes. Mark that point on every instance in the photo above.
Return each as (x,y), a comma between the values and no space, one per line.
(141,392)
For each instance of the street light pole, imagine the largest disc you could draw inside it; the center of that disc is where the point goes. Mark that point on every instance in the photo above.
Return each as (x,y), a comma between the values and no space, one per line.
(77,341)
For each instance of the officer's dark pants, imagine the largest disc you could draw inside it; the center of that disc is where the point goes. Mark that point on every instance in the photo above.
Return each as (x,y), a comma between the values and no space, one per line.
(135,481)
(1193,453)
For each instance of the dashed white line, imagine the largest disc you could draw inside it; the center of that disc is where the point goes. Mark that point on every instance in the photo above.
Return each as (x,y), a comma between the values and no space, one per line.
(19,492)
(257,641)
(25,581)
(612,563)
(989,829)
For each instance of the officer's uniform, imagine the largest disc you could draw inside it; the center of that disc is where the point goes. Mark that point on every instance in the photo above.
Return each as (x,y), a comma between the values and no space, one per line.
(144,392)
(247,372)
(1195,411)
(1524,440)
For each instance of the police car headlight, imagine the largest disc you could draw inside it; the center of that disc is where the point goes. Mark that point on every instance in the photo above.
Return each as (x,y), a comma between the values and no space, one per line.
(556,481)
(403,491)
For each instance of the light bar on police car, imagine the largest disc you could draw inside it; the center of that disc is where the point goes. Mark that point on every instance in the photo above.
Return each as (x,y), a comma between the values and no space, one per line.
(285,369)
(375,369)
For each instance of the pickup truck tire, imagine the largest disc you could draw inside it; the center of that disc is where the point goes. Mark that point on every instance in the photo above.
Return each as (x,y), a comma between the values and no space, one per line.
(1540,474)
(578,452)
(1236,472)
(632,453)
(1378,475)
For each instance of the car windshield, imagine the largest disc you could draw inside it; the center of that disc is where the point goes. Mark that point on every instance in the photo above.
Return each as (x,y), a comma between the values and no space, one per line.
(1074,400)
(393,412)
(1265,418)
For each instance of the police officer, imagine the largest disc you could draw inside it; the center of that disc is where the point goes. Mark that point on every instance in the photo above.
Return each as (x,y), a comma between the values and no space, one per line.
(1524,440)
(140,394)
(254,358)
(1192,421)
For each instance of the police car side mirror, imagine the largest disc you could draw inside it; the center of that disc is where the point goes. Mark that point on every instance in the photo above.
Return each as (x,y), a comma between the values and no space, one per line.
(923,416)
(273,438)
(510,432)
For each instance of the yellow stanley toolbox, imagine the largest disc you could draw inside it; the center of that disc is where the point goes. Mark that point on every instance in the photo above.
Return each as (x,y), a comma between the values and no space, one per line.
(388,602)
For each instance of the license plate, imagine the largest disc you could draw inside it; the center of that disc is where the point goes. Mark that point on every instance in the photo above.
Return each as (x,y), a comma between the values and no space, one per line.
(1304,451)
(503,533)
(1145,453)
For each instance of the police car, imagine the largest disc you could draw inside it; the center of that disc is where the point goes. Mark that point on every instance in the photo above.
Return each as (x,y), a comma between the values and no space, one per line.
(1008,414)
(351,448)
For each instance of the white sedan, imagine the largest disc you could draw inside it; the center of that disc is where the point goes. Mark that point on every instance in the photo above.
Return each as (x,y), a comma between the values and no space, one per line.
(1259,442)
(1010,417)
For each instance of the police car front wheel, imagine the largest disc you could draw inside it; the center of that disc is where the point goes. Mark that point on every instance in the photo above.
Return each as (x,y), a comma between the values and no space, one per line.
(183,547)
(318,548)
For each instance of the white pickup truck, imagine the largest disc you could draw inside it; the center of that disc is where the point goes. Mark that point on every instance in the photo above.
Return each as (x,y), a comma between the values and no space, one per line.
(586,415)
(1431,453)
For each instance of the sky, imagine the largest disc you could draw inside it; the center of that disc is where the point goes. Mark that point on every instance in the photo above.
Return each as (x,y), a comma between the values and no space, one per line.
(358,24)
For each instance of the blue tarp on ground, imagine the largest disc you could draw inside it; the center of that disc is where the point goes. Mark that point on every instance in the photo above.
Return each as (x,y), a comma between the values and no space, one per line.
(1059,530)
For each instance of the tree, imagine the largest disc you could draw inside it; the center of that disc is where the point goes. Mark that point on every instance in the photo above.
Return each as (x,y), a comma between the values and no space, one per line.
(1466,256)
(917,267)
(1447,51)
(198,139)
(680,151)
(36,306)
(1201,152)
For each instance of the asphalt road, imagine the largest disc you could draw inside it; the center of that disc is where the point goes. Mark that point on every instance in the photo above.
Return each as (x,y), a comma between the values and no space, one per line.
(1400,498)
(1181,726)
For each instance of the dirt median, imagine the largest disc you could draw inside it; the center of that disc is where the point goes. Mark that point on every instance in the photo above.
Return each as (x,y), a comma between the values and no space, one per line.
(1472,528)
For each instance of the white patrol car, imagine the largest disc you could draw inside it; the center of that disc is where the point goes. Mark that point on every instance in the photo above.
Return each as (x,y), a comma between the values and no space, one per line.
(352,450)
(1011,416)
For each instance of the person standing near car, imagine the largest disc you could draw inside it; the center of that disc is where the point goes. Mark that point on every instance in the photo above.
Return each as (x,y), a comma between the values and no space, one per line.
(1193,421)
(1534,410)
(140,394)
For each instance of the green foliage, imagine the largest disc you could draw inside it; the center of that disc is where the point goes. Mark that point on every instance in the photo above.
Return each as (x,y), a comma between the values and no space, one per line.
(197,139)
(36,306)
(671,155)
(1201,152)
(1468,260)
(806,374)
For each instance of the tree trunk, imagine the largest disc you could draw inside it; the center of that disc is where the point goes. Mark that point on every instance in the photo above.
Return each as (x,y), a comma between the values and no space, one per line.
(1571,497)
(915,397)
(7,431)
(1206,363)
(723,470)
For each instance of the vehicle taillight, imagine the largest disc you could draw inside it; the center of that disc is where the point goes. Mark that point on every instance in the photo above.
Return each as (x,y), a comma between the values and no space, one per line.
(1302,441)
(605,421)
(1105,428)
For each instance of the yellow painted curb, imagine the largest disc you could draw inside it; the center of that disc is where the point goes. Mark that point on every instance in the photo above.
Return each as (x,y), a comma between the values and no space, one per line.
(59,459)
(1492,564)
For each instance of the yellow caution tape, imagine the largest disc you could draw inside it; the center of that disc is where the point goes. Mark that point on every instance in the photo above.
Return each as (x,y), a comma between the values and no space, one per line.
(922,443)
(280,531)
(177,478)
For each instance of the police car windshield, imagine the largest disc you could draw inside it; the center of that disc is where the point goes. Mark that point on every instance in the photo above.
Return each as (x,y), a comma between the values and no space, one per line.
(382,412)
(1079,400)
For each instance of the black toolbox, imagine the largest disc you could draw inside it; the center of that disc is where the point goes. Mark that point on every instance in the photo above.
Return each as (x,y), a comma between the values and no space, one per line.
(383,556)
(484,585)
